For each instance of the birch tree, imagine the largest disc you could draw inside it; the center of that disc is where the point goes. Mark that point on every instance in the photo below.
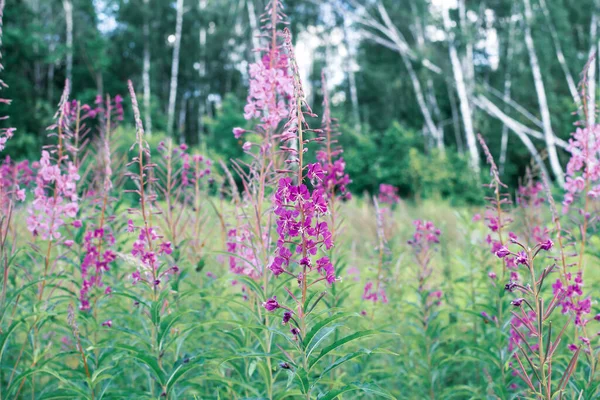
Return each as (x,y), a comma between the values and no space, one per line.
(559,53)
(351,76)
(146,69)
(254,29)
(68,7)
(591,73)
(175,68)
(510,45)
(541,95)
(202,4)
(394,40)
(461,90)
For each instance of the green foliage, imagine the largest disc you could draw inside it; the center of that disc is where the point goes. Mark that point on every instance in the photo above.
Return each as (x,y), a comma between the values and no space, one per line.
(397,157)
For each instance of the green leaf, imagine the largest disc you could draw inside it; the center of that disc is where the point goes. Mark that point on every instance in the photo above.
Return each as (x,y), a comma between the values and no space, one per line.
(179,372)
(319,338)
(367,388)
(148,360)
(343,341)
(315,329)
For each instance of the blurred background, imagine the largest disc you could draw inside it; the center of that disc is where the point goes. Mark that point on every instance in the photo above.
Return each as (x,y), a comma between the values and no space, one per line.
(412,81)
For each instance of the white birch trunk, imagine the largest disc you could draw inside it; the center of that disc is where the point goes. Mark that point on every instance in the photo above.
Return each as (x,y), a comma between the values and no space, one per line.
(255,30)
(396,37)
(461,90)
(467,63)
(489,107)
(146,71)
(351,76)
(68,7)
(517,129)
(506,98)
(182,118)
(541,94)
(201,74)
(591,75)
(455,119)
(175,68)
(559,54)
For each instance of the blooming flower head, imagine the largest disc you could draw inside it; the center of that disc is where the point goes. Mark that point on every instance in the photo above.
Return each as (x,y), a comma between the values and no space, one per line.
(388,194)
(238,132)
(271,83)
(271,304)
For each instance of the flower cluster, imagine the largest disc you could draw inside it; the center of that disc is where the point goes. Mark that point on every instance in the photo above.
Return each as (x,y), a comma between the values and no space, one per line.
(14,177)
(5,134)
(423,242)
(271,84)
(185,168)
(147,248)
(388,194)
(104,108)
(335,179)
(55,197)
(149,245)
(583,169)
(95,263)
(243,260)
(299,212)
(524,259)
(573,297)
(374,294)
(300,230)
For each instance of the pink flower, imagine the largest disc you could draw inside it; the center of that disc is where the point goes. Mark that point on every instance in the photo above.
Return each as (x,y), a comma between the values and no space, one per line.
(388,194)
(502,252)
(271,304)
(238,132)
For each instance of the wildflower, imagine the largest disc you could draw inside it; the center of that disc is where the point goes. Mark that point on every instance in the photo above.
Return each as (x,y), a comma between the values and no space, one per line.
(522,258)
(547,245)
(284,365)
(238,132)
(492,275)
(388,194)
(107,323)
(286,317)
(502,252)
(517,302)
(509,287)
(271,304)
(572,347)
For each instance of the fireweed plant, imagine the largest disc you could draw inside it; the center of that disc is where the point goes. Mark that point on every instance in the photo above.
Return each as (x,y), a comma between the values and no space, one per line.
(537,356)
(531,325)
(303,233)
(250,241)
(374,291)
(497,218)
(424,245)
